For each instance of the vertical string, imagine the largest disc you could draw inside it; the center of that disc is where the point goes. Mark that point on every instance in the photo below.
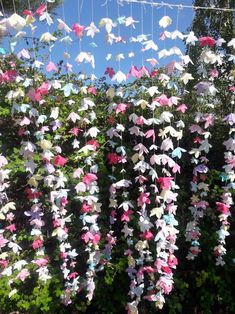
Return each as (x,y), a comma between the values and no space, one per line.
(48,29)
(118,12)
(131,44)
(92,10)
(107,9)
(63,14)
(142,26)
(92,19)
(177,18)
(3,11)
(80,39)
(78,11)
(32,34)
(14,6)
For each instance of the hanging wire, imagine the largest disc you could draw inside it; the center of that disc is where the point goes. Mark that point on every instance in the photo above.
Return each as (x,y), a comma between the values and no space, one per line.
(33,45)
(92,10)
(107,8)
(3,11)
(92,19)
(48,29)
(131,31)
(119,34)
(171,6)
(14,6)
(63,14)
(79,18)
(142,27)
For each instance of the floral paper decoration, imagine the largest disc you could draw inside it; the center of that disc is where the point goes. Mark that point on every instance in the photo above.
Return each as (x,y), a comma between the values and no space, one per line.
(141,144)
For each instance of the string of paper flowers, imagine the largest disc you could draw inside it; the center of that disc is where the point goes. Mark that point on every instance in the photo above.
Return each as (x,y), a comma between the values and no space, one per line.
(148,220)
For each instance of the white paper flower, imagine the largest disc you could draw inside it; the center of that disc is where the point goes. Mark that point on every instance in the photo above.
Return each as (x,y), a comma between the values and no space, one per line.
(165,21)
(47,37)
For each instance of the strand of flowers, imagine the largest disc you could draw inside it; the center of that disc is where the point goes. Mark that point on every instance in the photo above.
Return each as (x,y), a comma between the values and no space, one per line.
(166,207)
(28,151)
(126,204)
(33,193)
(88,190)
(223,207)
(142,245)
(198,186)
(114,159)
(205,87)
(7,231)
(8,237)
(56,180)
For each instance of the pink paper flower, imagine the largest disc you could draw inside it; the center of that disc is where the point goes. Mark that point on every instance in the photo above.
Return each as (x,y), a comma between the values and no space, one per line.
(89,236)
(143,199)
(86,208)
(60,161)
(51,67)
(28,13)
(78,30)
(163,100)
(88,178)
(121,108)
(147,235)
(23,274)
(223,208)
(207,41)
(113,158)
(3,263)
(182,108)
(214,73)
(40,262)
(3,241)
(40,10)
(126,215)
(93,143)
(37,244)
(11,228)
(92,90)
(165,182)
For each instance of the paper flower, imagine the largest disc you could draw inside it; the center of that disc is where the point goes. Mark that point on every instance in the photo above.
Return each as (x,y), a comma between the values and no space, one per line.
(16,21)
(92,30)
(47,37)
(78,30)
(119,77)
(207,41)
(63,26)
(107,23)
(165,21)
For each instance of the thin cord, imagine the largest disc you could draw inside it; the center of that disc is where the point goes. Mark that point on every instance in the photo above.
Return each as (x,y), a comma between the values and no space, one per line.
(79,16)
(3,11)
(48,29)
(92,10)
(92,19)
(78,11)
(14,6)
(142,26)
(177,18)
(34,54)
(107,8)
(63,14)
(118,12)
(131,44)
(169,5)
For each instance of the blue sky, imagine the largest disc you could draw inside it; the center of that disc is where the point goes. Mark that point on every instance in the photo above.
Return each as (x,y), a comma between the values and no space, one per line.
(143,15)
